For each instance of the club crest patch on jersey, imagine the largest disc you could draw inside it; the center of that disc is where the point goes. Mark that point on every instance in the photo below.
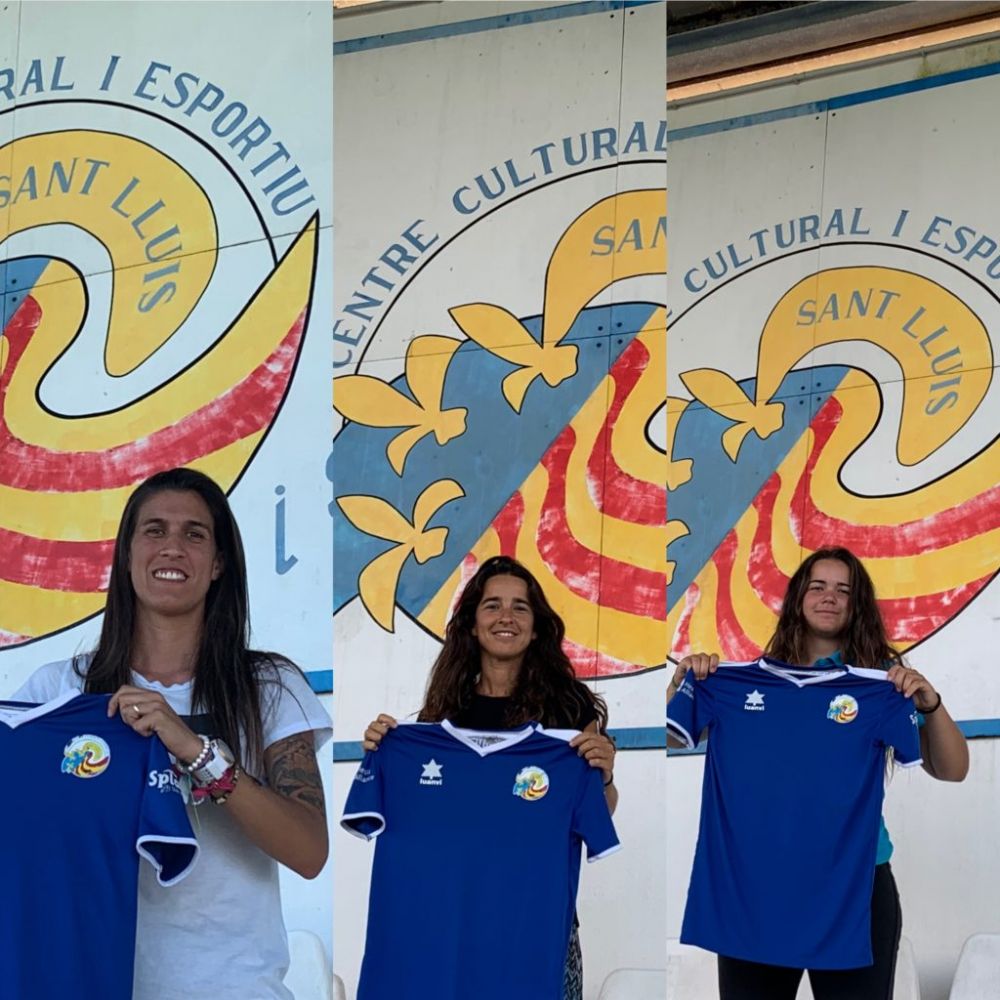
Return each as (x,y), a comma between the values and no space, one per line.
(531,783)
(843,708)
(86,756)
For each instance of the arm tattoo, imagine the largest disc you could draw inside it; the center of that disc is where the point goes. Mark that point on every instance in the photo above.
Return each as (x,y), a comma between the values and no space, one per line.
(292,771)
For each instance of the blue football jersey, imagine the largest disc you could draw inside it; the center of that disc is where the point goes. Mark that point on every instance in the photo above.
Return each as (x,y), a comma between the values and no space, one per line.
(791,800)
(477,860)
(86,796)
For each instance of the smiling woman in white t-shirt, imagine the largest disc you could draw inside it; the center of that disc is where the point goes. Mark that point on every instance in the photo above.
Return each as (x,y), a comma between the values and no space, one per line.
(244,724)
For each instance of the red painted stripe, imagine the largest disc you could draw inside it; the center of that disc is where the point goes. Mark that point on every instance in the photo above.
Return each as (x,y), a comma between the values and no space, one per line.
(590,663)
(615,492)
(734,643)
(507,524)
(586,573)
(51,564)
(18,331)
(681,645)
(910,619)
(767,580)
(975,516)
(238,413)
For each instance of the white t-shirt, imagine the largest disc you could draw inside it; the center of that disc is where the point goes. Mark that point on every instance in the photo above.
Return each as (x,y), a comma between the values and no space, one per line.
(219,933)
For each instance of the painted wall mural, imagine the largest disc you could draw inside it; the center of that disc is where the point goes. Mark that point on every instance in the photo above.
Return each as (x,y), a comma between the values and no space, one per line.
(163,220)
(500,341)
(832,375)
(527,437)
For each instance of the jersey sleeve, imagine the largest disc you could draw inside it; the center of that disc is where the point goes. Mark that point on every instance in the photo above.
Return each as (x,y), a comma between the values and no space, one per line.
(364,810)
(901,730)
(164,837)
(689,711)
(592,819)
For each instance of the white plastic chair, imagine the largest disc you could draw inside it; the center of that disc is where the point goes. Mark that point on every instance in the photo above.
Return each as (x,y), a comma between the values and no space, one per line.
(309,975)
(691,973)
(635,984)
(978,974)
(907,980)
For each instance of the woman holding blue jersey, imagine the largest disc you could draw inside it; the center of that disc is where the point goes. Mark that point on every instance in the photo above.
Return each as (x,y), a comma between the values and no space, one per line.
(502,664)
(829,617)
(243,727)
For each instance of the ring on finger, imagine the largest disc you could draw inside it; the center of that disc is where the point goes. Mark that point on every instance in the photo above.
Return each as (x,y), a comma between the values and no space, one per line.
(135,708)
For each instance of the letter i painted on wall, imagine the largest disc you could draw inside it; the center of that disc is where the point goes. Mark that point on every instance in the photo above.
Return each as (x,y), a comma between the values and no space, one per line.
(282,563)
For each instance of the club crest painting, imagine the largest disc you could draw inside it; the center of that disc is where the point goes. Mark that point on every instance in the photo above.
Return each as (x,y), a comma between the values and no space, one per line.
(163,228)
(832,375)
(536,431)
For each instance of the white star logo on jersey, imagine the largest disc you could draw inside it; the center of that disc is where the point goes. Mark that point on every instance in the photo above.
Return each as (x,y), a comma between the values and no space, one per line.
(431,774)
(754,702)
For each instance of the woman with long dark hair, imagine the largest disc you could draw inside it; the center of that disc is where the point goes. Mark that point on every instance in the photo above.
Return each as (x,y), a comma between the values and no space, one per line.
(829,617)
(243,726)
(502,665)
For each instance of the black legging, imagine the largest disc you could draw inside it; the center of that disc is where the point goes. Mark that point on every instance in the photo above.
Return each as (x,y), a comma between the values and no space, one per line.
(740,980)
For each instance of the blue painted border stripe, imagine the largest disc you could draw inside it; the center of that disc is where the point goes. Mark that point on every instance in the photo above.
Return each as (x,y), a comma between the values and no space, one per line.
(634,738)
(477,25)
(654,738)
(972,729)
(834,103)
(321,681)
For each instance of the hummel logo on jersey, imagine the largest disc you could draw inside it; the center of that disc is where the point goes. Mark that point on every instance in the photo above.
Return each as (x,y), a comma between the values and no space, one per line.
(431,774)
(755,702)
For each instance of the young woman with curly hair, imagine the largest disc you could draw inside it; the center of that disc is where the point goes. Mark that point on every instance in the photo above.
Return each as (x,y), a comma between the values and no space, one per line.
(502,665)
(829,617)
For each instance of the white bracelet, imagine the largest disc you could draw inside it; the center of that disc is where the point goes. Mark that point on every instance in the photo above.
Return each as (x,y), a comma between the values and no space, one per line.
(206,749)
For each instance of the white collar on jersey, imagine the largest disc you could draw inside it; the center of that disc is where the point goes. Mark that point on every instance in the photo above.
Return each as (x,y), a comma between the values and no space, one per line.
(14,713)
(485,742)
(802,676)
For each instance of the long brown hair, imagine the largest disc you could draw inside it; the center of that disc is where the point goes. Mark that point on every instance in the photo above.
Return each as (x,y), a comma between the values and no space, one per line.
(228,675)
(546,691)
(864,642)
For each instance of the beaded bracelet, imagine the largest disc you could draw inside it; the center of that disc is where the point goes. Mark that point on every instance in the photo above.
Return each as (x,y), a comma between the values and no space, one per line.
(206,749)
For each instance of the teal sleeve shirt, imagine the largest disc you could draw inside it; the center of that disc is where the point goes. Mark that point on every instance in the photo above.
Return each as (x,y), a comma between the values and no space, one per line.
(884,851)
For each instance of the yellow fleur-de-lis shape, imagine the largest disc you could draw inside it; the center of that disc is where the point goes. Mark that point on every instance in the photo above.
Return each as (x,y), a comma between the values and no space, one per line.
(501,333)
(379,580)
(575,275)
(374,403)
(722,394)
(679,471)
(675,530)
